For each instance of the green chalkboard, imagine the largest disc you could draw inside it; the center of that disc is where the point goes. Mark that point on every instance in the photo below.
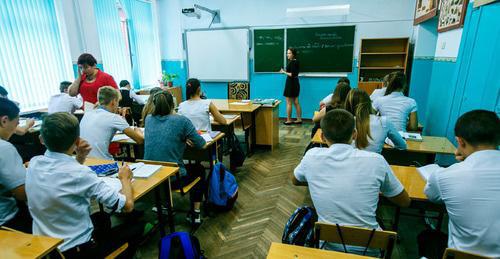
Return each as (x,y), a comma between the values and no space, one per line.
(323,49)
(269,49)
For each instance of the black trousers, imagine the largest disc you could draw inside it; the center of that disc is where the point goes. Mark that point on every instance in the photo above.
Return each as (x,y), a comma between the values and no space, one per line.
(193,171)
(106,239)
(22,221)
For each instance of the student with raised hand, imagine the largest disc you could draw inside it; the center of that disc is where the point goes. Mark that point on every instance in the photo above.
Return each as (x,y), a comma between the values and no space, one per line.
(198,110)
(344,182)
(165,138)
(381,92)
(100,125)
(372,129)
(328,99)
(60,187)
(62,102)
(20,130)
(12,173)
(471,189)
(399,109)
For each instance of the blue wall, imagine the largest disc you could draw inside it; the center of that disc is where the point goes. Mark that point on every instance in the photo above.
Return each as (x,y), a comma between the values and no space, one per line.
(420,83)
(269,85)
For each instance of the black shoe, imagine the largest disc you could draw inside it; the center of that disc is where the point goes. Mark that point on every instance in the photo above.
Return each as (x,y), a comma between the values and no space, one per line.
(194,217)
(297,122)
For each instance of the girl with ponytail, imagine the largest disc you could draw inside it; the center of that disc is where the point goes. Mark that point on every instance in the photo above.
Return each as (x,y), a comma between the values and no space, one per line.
(372,130)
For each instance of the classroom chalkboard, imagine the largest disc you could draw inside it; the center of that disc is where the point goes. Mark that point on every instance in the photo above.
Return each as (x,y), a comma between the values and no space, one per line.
(323,49)
(269,46)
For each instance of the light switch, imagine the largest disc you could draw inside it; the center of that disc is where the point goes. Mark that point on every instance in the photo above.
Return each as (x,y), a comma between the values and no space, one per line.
(443,44)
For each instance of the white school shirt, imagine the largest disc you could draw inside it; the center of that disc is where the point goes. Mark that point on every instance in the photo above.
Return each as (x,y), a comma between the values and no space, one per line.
(377,93)
(198,112)
(98,128)
(62,102)
(59,190)
(380,129)
(12,175)
(471,192)
(397,108)
(327,99)
(345,183)
(134,96)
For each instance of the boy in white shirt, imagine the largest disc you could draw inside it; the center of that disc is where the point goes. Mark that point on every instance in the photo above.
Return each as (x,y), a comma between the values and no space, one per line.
(63,102)
(471,189)
(12,173)
(29,123)
(100,125)
(60,187)
(132,96)
(345,182)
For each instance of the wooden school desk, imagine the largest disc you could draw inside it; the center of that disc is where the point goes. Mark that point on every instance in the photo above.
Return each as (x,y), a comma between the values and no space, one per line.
(429,147)
(227,129)
(20,245)
(284,251)
(268,121)
(142,186)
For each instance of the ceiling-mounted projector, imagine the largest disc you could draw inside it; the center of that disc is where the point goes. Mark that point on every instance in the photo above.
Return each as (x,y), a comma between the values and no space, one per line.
(192,12)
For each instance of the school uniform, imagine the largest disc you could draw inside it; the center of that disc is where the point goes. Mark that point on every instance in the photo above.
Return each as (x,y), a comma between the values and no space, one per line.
(130,96)
(380,129)
(198,112)
(62,102)
(345,183)
(98,128)
(397,108)
(328,99)
(12,175)
(377,93)
(471,190)
(59,191)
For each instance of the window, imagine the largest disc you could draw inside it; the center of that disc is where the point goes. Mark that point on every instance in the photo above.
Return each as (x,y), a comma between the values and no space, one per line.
(32,59)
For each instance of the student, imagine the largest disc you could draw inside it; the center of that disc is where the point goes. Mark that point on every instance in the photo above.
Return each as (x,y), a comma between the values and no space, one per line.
(128,95)
(12,173)
(60,187)
(337,101)
(20,131)
(328,99)
(345,182)
(148,107)
(100,125)
(90,79)
(470,189)
(397,107)
(62,102)
(166,135)
(372,129)
(198,110)
(381,92)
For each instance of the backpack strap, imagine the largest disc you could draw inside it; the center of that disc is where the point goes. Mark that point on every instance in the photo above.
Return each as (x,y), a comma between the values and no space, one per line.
(341,237)
(187,247)
(165,246)
(369,241)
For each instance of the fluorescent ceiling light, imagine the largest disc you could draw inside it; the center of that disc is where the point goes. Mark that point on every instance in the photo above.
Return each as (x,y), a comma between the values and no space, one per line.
(325,10)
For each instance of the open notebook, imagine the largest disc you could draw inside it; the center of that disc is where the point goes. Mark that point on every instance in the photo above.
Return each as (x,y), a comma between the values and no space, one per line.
(142,170)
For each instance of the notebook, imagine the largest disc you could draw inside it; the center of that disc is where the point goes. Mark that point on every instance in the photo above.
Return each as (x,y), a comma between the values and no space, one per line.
(411,136)
(426,171)
(142,170)
(105,169)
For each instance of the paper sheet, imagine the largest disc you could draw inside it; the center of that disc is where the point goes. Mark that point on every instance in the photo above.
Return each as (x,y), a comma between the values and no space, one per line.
(426,171)
(206,137)
(119,137)
(142,170)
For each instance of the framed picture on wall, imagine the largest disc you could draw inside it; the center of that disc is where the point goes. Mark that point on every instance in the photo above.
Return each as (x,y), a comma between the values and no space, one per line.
(425,10)
(451,14)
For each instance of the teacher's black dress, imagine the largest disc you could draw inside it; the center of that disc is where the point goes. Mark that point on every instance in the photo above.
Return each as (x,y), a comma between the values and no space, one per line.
(292,85)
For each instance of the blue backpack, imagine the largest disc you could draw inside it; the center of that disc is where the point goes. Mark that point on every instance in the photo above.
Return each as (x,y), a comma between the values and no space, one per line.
(299,230)
(223,189)
(180,245)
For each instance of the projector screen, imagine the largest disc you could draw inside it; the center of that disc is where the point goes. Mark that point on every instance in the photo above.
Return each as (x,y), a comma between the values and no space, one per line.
(218,55)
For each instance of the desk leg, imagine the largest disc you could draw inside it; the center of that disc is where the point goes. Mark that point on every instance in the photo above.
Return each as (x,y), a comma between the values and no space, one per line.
(253,135)
(158,211)
(168,195)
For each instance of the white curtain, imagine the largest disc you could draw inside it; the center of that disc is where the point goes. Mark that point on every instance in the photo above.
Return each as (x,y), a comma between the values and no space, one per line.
(32,60)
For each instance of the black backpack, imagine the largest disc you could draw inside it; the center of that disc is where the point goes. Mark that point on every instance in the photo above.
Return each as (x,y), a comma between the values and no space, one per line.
(180,245)
(432,243)
(237,156)
(299,230)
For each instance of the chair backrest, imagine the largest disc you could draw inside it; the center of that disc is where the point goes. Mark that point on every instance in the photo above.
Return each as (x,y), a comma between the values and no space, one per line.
(151,162)
(238,90)
(451,253)
(356,236)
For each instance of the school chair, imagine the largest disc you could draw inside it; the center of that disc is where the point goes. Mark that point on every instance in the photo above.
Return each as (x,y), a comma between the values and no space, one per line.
(355,236)
(451,253)
(241,91)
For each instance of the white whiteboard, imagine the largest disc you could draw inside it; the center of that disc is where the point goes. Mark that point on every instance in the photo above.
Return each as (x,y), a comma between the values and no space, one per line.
(218,55)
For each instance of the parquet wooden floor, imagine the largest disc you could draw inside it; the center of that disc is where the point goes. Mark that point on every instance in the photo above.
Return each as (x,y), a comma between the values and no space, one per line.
(266,200)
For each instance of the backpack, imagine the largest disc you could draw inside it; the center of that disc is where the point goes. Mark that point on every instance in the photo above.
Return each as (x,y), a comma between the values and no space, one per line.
(299,230)
(180,245)
(432,243)
(237,156)
(223,189)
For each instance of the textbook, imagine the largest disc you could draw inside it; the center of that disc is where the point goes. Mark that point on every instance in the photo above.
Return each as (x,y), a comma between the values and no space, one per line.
(142,170)
(426,171)
(411,136)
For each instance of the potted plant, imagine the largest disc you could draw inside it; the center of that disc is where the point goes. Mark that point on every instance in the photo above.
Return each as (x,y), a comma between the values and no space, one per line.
(167,79)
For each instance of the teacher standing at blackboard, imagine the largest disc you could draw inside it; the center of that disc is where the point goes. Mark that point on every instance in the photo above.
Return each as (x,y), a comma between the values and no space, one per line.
(292,87)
